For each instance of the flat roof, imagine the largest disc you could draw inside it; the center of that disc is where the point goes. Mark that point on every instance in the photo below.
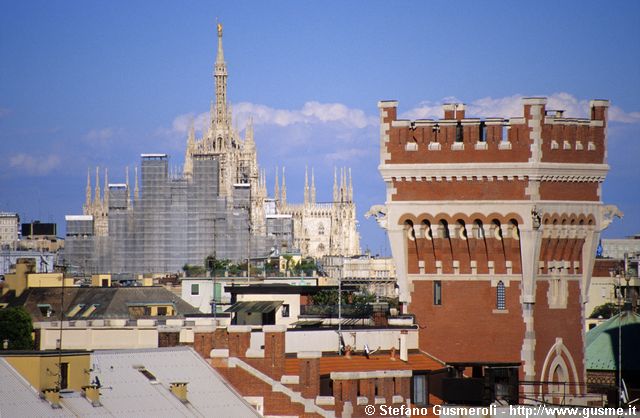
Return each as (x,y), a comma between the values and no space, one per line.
(153,155)
(280,289)
(78,218)
(360,363)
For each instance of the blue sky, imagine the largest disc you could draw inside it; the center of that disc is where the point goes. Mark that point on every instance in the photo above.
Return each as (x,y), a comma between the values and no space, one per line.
(97,83)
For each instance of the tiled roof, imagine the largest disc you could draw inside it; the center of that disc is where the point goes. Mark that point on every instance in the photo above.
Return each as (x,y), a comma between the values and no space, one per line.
(110,302)
(359,363)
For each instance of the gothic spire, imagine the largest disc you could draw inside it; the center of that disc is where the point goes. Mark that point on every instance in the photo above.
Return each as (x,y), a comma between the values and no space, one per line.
(220,76)
(276,187)
(284,188)
(335,185)
(220,56)
(306,186)
(136,193)
(248,135)
(96,198)
(341,193)
(313,187)
(264,182)
(87,201)
(126,177)
(192,134)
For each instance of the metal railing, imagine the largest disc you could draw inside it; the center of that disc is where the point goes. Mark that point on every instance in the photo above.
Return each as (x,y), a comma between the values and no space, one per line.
(331,311)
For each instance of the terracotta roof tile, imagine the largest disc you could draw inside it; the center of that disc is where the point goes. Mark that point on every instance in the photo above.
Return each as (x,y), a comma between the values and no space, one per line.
(359,363)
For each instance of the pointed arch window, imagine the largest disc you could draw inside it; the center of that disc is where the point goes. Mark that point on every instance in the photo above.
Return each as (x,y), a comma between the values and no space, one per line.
(501,303)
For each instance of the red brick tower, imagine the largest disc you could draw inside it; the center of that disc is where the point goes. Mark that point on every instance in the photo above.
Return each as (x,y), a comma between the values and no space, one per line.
(494,225)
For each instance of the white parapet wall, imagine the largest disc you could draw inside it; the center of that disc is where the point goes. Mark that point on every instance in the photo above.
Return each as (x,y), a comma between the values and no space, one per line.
(118,333)
(327,340)
(85,338)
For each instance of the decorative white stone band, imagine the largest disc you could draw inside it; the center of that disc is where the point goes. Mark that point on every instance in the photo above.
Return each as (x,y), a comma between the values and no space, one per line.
(530,170)
(219,353)
(325,400)
(290,380)
(274,328)
(238,328)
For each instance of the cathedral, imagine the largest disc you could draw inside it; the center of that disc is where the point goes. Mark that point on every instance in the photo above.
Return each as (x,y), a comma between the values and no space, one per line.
(238,186)
(319,228)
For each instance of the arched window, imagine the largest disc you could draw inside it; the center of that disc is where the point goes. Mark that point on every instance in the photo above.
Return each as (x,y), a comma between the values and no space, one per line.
(321,229)
(320,248)
(501,303)
(497,229)
(462,229)
(410,231)
(444,226)
(428,233)
(515,231)
(479,229)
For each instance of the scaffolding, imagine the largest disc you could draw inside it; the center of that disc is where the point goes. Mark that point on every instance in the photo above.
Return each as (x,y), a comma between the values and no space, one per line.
(176,221)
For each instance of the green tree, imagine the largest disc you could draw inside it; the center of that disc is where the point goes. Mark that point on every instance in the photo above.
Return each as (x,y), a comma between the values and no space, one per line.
(193,271)
(605,311)
(271,267)
(236,269)
(329,297)
(217,267)
(306,266)
(16,327)
(288,260)
(363,298)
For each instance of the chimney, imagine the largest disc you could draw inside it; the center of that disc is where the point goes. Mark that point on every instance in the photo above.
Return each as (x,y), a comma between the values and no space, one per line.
(449,110)
(404,349)
(274,348)
(92,394)
(239,340)
(52,396)
(179,390)
(599,109)
(309,373)
(459,111)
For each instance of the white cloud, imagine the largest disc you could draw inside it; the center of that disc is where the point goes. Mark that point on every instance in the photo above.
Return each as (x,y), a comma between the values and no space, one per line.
(347,155)
(616,114)
(310,113)
(33,165)
(511,106)
(99,134)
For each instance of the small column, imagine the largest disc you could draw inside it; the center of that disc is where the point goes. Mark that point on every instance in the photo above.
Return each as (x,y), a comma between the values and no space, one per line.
(239,340)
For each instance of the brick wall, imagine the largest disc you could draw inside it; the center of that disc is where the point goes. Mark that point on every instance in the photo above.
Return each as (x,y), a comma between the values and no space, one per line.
(560,190)
(461,189)
(275,403)
(465,327)
(566,323)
